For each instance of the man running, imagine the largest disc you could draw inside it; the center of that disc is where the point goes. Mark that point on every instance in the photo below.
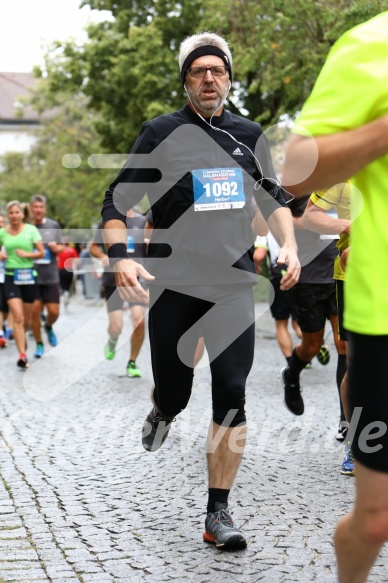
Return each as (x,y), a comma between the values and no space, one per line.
(266,248)
(47,274)
(318,217)
(200,167)
(351,140)
(136,248)
(313,300)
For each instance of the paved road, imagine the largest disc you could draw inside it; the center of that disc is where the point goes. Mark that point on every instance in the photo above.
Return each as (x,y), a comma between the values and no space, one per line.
(81,501)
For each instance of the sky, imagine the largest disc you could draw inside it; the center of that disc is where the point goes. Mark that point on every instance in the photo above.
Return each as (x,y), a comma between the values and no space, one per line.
(27,26)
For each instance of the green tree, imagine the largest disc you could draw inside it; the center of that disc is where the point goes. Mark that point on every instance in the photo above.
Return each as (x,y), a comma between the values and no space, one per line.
(127,72)
(57,165)
(128,67)
(279,47)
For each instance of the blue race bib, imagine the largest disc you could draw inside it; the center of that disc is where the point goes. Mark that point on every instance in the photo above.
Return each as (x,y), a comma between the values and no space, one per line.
(130,244)
(46,259)
(23,276)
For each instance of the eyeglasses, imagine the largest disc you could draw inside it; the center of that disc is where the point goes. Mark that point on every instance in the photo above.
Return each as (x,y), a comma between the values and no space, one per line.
(201,71)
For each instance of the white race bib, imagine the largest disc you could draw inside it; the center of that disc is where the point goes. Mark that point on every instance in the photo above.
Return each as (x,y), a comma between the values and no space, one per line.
(218,189)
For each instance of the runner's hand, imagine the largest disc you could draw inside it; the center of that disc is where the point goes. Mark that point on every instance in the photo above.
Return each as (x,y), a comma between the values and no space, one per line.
(289,256)
(53,246)
(126,273)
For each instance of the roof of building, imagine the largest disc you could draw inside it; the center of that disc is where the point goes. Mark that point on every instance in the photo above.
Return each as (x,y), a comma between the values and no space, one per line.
(14,86)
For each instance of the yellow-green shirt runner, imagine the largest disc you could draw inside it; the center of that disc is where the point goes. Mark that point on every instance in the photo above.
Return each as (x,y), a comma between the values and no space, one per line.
(350,91)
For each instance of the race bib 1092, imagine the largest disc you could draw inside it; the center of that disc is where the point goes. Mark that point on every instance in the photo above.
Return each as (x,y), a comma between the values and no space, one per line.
(218,189)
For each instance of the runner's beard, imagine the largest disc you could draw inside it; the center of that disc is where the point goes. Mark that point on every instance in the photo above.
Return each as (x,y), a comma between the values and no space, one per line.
(206,106)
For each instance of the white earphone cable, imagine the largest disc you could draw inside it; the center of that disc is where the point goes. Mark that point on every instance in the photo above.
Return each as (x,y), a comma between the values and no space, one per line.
(259,182)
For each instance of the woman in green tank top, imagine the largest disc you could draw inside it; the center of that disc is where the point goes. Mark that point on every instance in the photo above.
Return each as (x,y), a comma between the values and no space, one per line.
(20,244)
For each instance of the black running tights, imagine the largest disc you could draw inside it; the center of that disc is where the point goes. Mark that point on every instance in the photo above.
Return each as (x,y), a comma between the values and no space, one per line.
(225,317)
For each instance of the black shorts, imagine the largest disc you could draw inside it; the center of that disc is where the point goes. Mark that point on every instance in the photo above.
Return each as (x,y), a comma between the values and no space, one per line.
(280,307)
(368,391)
(3,301)
(65,279)
(339,285)
(175,326)
(313,303)
(49,293)
(27,293)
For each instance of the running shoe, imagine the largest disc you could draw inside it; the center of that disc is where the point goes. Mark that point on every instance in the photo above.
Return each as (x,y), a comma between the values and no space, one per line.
(9,334)
(342,431)
(292,395)
(3,342)
(347,467)
(66,298)
(155,430)
(22,363)
(110,349)
(51,335)
(39,350)
(132,370)
(221,531)
(323,355)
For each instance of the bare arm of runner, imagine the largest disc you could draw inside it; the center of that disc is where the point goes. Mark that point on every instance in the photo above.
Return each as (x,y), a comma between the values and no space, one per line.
(280,224)
(316,219)
(38,254)
(318,163)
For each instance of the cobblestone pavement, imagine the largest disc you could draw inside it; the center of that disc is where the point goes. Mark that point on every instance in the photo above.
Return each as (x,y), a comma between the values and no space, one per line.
(81,501)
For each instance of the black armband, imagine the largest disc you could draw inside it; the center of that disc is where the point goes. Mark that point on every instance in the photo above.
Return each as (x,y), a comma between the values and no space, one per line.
(116,252)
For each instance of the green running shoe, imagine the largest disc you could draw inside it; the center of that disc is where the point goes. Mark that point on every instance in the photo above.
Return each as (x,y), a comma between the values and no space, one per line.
(132,370)
(110,349)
